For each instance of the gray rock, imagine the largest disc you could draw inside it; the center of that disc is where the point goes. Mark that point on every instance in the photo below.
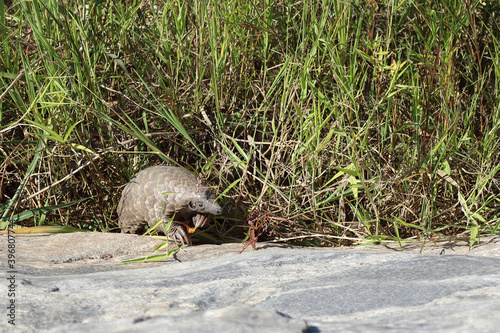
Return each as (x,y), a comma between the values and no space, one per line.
(230,319)
(213,288)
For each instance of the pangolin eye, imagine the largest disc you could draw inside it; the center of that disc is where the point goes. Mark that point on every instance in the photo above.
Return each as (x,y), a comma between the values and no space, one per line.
(200,205)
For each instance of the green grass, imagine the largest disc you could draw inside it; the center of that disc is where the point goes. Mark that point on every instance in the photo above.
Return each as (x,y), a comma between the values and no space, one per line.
(337,122)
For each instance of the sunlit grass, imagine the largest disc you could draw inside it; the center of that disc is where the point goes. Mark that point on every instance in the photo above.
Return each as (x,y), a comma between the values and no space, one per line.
(348,121)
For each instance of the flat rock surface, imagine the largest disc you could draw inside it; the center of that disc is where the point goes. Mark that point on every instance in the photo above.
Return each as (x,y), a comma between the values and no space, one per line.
(75,283)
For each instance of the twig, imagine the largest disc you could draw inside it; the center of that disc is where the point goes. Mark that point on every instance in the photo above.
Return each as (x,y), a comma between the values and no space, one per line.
(313,235)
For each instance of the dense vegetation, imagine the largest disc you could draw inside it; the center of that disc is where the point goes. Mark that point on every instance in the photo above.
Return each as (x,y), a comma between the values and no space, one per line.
(343,121)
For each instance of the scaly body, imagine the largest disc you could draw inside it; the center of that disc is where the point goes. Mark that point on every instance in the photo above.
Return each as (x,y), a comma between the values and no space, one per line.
(160,192)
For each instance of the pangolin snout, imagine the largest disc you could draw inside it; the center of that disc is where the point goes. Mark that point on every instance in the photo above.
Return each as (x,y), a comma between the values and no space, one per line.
(214,208)
(218,209)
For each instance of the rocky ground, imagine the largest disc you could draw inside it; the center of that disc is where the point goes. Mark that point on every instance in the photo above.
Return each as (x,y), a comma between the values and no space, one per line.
(75,283)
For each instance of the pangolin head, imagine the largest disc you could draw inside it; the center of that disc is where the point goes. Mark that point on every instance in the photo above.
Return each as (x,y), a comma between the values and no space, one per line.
(204,202)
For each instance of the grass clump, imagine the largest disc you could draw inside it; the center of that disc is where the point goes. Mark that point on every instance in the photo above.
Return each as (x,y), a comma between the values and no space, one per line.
(339,121)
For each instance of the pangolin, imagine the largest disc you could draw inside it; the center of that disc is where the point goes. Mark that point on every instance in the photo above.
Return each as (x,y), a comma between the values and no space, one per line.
(160,192)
